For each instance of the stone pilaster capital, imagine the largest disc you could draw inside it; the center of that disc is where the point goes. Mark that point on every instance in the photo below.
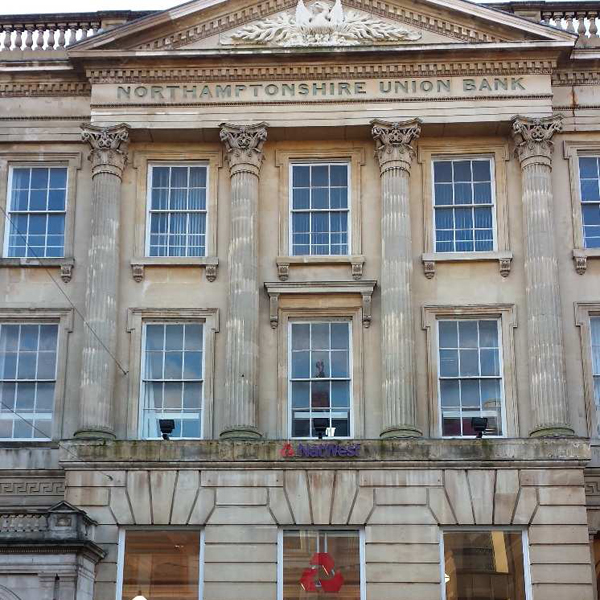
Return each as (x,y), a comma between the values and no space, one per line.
(533,139)
(244,146)
(393,142)
(109,148)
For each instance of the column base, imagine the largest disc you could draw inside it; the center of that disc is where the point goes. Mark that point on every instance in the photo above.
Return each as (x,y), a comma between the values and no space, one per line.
(555,431)
(400,432)
(95,434)
(241,432)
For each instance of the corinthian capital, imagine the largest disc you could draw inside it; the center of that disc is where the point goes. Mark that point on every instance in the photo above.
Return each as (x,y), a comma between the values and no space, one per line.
(533,138)
(393,142)
(244,144)
(109,148)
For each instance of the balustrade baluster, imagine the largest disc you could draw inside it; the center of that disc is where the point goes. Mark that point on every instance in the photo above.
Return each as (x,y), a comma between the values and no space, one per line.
(61,35)
(7,37)
(593,26)
(51,40)
(29,29)
(581,28)
(569,19)
(39,38)
(19,37)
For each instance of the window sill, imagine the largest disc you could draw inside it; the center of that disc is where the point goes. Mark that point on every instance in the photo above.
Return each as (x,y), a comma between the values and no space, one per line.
(580,258)
(65,264)
(210,264)
(429,260)
(285,262)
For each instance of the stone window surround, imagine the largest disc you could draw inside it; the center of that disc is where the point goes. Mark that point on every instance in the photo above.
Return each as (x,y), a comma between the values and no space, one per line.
(500,155)
(361,551)
(300,309)
(507,314)
(477,528)
(142,159)
(355,157)
(64,318)
(21,158)
(136,317)
(583,312)
(121,552)
(572,150)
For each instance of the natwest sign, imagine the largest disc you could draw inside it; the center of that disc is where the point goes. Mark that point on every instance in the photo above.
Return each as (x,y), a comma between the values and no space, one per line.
(321,450)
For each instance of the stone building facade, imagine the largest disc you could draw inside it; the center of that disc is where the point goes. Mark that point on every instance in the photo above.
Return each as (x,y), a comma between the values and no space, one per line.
(269,220)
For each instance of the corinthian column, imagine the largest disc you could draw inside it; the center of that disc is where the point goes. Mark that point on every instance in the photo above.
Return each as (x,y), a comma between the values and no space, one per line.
(108,156)
(244,154)
(395,154)
(548,390)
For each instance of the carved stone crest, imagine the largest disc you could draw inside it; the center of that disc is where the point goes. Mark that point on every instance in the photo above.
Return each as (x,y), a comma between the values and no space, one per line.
(321,24)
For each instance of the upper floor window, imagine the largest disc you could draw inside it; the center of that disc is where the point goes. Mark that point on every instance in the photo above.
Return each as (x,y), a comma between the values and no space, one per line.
(28,374)
(320,378)
(595,334)
(589,180)
(177,210)
(172,378)
(470,375)
(36,212)
(463,193)
(320,208)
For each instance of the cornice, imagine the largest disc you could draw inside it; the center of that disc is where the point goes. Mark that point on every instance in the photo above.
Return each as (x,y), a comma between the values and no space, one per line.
(235,19)
(367,70)
(569,78)
(45,88)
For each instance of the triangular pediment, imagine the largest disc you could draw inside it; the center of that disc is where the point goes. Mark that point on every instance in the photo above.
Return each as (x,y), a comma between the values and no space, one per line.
(208,25)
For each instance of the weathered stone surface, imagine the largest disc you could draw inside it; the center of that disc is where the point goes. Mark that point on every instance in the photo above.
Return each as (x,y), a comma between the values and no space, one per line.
(233,534)
(414,591)
(561,495)
(560,592)
(186,490)
(440,506)
(233,573)
(84,496)
(119,504)
(505,497)
(296,489)
(558,534)
(346,487)
(400,477)
(402,553)
(409,515)
(138,488)
(408,534)
(321,488)
(252,591)
(238,496)
(561,574)
(400,496)
(363,506)
(228,515)
(205,503)
(280,509)
(240,553)
(560,515)
(526,505)
(397,573)
(559,554)
(552,477)
(163,487)
(249,478)
(481,486)
(457,490)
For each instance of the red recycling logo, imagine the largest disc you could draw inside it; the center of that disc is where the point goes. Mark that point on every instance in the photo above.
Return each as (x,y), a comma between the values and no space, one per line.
(309,580)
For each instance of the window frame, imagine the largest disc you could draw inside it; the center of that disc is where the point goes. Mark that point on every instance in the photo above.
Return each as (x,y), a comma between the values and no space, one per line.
(142,162)
(142,406)
(63,317)
(459,149)
(351,419)
(476,528)
(452,160)
(149,211)
(584,311)
(361,557)
(184,528)
(307,309)
(507,317)
(312,163)
(72,161)
(572,151)
(9,211)
(354,157)
(131,411)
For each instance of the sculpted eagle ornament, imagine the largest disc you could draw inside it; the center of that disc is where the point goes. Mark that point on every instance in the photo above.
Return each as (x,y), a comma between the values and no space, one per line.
(323,24)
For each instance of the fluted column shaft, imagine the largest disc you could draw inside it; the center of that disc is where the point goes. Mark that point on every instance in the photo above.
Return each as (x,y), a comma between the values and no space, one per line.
(108,156)
(547,379)
(395,154)
(244,153)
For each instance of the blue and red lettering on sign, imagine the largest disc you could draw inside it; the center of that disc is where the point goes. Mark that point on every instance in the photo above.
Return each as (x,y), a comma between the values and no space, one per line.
(327,450)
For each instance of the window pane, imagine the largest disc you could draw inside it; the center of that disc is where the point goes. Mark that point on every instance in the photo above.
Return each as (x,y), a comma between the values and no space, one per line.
(487,565)
(442,171)
(323,563)
(161,564)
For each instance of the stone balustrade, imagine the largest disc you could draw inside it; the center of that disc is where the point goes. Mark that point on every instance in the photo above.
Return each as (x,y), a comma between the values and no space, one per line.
(57,31)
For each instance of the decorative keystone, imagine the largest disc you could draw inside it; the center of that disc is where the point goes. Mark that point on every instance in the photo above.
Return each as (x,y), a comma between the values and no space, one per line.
(533,138)
(244,144)
(109,148)
(393,142)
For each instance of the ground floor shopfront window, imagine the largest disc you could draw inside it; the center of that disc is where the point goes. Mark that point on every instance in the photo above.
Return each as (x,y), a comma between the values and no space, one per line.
(159,564)
(321,563)
(485,565)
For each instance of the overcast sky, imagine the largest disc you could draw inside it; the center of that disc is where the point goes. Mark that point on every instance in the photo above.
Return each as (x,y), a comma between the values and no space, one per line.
(58,6)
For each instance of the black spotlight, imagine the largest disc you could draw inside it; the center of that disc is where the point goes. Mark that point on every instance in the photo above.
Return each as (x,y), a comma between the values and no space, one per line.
(166,427)
(479,425)
(320,426)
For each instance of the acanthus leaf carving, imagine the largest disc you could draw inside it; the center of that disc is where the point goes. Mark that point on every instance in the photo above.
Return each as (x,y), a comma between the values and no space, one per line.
(322,24)
(393,142)
(109,147)
(244,145)
(533,137)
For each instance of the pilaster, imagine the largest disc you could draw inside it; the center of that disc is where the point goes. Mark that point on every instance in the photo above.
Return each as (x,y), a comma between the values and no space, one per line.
(108,156)
(395,153)
(244,148)
(548,390)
